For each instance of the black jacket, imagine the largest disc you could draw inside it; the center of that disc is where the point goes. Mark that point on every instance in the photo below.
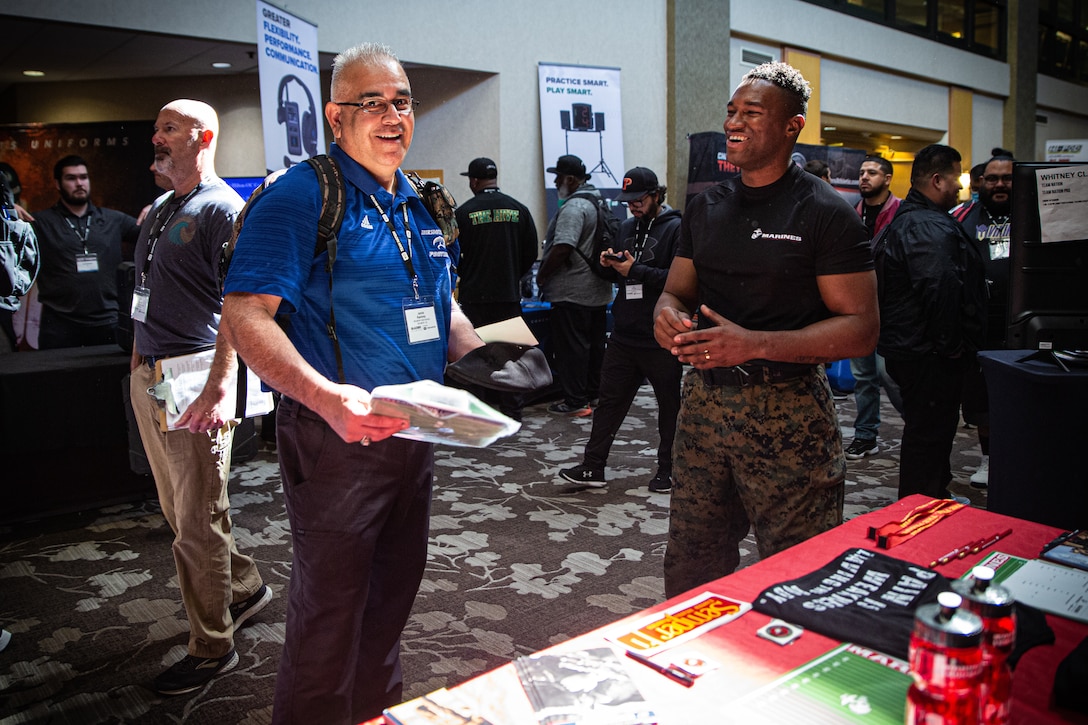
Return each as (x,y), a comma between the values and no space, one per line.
(653,244)
(932,285)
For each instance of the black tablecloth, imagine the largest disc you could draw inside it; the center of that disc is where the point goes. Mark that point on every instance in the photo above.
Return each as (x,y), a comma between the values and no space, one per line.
(1038,433)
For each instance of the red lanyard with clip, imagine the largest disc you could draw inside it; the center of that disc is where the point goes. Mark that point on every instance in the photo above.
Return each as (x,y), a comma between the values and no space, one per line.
(916,521)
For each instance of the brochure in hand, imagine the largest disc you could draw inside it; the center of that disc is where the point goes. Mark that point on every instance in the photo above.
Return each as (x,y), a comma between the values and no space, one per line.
(439,414)
(183,377)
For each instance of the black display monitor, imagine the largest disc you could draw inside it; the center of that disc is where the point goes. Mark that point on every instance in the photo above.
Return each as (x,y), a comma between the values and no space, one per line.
(1048,284)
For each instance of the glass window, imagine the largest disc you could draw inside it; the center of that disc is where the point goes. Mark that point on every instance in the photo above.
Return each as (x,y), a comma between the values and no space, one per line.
(978,26)
(912,12)
(875,7)
(950,18)
(1063,51)
(988,27)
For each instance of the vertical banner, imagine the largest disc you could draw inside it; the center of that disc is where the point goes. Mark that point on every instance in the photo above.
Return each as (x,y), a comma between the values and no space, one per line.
(291,110)
(580,114)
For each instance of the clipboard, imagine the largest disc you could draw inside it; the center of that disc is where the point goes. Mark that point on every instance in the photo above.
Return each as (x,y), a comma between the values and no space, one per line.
(183,377)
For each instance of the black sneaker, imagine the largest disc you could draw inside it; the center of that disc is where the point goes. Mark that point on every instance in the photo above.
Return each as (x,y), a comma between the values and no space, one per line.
(246,608)
(192,673)
(562,408)
(661,483)
(592,477)
(860,448)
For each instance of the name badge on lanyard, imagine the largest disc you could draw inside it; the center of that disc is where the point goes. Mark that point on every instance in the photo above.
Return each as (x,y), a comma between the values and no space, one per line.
(140,297)
(87,262)
(420,320)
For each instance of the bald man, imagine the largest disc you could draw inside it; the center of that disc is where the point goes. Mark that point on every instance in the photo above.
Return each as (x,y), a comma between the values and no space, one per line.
(176,309)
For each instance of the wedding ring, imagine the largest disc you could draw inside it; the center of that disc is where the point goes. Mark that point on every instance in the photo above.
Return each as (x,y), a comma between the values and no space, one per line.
(707,354)
(365,441)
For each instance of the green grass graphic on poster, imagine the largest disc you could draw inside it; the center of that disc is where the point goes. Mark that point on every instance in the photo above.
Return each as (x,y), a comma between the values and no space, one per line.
(850,684)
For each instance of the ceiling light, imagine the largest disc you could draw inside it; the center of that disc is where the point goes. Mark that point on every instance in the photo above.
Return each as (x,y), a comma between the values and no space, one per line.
(220,64)
(830,128)
(34,73)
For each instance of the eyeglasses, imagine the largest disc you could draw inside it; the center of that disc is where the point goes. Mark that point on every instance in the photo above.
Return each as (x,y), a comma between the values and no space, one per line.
(637,202)
(992,179)
(380,106)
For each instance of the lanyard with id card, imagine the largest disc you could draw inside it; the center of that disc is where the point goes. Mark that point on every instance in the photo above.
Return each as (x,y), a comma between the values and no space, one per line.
(86,261)
(141,295)
(633,290)
(420,320)
(420,317)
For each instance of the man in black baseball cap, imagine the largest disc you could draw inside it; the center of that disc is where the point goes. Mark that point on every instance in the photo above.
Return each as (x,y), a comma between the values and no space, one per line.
(569,165)
(579,298)
(498,245)
(481,168)
(646,245)
(637,183)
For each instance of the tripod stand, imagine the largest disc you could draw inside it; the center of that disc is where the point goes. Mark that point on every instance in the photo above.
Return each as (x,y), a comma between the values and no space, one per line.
(601,165)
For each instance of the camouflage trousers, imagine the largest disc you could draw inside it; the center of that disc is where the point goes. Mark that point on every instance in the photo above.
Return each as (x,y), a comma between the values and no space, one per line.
(767,456)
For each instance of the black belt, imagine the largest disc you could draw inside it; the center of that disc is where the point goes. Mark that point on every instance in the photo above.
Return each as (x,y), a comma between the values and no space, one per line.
(744,376)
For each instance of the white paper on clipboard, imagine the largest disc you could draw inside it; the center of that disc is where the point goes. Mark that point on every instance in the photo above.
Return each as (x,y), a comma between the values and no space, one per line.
(184,377)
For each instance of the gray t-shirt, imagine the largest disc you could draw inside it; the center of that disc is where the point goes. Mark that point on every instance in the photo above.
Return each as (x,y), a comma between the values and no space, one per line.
(177,260)
(574,224)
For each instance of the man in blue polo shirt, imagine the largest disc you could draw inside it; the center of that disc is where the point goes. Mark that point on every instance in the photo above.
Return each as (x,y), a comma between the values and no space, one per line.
(357,498)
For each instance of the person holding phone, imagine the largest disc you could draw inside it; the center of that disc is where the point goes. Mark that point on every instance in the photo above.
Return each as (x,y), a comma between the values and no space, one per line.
(640,266)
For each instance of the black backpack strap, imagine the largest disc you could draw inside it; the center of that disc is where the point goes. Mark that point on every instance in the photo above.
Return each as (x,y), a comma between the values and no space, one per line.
(331,183)
(241,389)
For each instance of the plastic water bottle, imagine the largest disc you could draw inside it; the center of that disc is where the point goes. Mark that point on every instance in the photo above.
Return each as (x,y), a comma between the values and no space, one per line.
(946,664)
(994,605)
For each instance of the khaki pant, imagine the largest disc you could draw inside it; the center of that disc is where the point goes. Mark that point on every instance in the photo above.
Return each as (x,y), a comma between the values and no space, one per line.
(191,472)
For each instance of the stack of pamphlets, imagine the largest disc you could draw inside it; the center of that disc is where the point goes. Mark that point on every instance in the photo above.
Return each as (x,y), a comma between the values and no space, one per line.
(440,414)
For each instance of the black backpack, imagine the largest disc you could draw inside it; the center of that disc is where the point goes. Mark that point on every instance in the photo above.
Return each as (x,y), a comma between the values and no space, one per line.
(436,198)
(331,184)
(19,260)
(605,235)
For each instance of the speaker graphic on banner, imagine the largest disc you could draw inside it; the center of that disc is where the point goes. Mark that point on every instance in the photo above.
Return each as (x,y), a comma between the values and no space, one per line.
(581,117)
(290,87)
(301,131)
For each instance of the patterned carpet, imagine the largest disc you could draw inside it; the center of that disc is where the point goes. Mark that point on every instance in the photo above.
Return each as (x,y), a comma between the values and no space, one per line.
(519,560)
